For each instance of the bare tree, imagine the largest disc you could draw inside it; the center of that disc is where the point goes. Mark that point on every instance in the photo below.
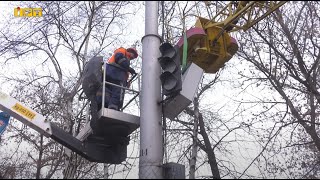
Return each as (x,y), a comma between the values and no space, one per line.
(284,51)
(181,131)
(51,87)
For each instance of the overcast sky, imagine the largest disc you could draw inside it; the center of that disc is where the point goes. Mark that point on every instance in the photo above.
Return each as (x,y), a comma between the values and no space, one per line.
(221,94)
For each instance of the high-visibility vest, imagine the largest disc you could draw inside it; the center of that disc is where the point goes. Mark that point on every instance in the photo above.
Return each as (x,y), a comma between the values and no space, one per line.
(119,50)
(112,59)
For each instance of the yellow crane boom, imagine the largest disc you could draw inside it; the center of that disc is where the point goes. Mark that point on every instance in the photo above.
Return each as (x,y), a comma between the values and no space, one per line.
(248,12)
(210,45)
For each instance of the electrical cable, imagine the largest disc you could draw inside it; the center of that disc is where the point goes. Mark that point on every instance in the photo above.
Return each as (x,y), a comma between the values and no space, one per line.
(164,125)
(162,9)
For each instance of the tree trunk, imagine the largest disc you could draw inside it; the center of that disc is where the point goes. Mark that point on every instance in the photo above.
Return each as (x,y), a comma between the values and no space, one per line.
(194,139)
(40,158)
(211,156)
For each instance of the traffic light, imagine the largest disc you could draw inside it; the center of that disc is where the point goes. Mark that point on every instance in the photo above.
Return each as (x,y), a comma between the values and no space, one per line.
(170,64)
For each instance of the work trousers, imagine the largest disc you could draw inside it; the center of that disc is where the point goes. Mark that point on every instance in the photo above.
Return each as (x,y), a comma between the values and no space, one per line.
(113,95)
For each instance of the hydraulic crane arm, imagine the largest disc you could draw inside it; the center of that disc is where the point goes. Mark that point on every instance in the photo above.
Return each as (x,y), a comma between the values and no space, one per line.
(27,116)
(91,151)
(238,15)
(37,122)
(213,47)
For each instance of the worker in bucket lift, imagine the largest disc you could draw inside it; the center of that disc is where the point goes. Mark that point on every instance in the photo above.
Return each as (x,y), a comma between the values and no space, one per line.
(117,72)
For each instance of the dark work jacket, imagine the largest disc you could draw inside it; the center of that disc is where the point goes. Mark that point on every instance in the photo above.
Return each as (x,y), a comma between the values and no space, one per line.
(119,69)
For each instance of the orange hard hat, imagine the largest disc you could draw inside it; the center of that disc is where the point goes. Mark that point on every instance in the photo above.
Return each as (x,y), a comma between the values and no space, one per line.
(133,51)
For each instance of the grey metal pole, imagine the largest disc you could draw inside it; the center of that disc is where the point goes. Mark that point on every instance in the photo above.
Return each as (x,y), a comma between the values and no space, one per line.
(151,151)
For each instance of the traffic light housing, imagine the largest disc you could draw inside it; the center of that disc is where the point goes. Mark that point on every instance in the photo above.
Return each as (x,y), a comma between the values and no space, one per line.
(171,74)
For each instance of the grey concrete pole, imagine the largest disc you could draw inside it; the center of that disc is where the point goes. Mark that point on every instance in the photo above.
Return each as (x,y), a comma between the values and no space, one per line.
(151,151)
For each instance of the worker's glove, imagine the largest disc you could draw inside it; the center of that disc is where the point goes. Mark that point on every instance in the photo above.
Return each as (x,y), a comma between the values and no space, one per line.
(132,71)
